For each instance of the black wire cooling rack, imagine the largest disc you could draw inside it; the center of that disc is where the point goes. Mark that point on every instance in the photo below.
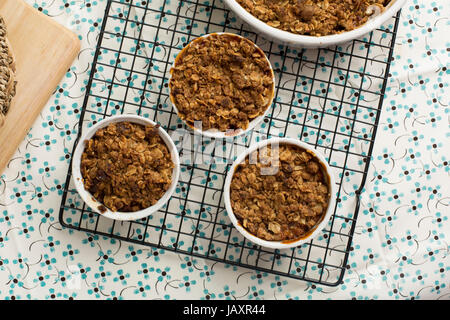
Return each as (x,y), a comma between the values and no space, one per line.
(330,98)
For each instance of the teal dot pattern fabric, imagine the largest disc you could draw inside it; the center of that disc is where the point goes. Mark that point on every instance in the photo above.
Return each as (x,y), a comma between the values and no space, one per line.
(400,246)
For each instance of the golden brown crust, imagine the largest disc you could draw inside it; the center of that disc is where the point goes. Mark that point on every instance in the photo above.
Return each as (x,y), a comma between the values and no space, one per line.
(126,166)
(282,204)
(222,80)
(313,17)
(7,73)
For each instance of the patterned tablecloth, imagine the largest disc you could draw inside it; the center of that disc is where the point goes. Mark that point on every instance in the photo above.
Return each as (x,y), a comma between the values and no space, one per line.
(400,249)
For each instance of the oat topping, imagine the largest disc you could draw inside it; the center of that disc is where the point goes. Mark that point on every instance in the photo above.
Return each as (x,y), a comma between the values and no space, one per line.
(222,80)
(126,166)
(286,204)
(7,73)
(314,17)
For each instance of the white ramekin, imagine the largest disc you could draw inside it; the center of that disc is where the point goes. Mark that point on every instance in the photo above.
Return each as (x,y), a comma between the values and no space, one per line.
(297,40)
(220,134)
(91,201)
(280,244)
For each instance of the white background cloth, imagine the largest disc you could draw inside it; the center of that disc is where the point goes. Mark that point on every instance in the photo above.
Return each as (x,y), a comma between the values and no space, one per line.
(400,248)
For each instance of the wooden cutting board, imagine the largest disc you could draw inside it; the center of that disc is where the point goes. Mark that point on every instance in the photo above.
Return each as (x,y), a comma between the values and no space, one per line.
(44,51)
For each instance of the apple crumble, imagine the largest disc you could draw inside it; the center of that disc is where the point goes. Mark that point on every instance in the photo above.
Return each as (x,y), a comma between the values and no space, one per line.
(222,80)
(314,17)
(126,166)
(280,193)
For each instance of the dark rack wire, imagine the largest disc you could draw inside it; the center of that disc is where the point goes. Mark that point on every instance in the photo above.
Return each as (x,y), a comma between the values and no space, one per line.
(330,98)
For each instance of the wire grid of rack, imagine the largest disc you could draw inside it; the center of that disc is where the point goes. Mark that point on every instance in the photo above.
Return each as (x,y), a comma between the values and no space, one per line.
(330,98)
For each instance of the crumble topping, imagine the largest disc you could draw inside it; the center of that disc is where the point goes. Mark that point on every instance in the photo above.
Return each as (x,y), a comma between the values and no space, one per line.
(222,80)
(7,73)
(285,204)
(126,166)
(314,17)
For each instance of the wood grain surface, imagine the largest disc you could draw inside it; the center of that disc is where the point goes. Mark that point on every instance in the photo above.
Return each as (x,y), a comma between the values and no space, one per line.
(44,51)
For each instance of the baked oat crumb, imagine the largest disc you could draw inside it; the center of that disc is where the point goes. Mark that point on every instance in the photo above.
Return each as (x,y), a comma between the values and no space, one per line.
(222,80)
(285,205)
(126,167)
(314,17)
